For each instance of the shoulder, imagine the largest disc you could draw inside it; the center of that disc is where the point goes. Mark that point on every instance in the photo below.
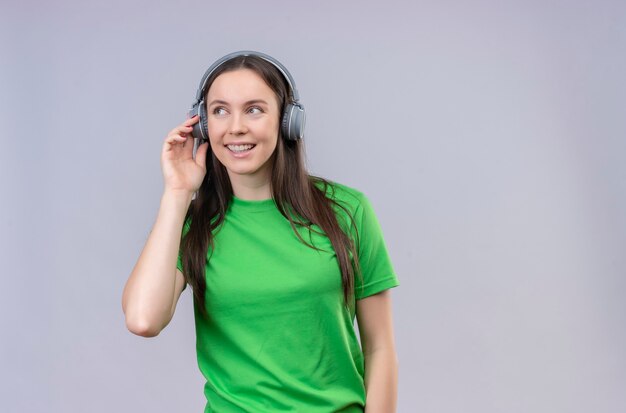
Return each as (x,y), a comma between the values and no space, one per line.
(338,192)
(350,204)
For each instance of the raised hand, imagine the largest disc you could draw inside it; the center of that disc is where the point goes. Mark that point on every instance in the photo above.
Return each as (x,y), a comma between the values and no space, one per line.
(181,172)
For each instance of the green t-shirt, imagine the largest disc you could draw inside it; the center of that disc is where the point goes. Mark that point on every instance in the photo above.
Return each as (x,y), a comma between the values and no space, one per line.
(278,337)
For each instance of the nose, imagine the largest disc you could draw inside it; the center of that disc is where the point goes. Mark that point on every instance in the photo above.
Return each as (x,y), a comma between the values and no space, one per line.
(237,125)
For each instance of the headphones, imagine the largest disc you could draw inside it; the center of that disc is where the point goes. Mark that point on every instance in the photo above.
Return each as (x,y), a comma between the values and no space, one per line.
(293,117)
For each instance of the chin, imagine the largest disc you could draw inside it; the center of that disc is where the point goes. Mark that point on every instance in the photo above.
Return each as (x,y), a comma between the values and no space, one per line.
(242,171)
(248,171)
(247,167)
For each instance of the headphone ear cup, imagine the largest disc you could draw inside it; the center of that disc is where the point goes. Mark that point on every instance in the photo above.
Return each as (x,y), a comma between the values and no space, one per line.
(293,122)
(196,130)
(284,123)
(203,122)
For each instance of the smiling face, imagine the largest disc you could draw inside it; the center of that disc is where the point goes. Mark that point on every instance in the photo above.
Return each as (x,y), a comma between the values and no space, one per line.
(243,122)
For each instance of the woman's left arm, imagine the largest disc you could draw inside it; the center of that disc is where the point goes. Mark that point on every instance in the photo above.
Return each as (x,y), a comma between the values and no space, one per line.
(374,316)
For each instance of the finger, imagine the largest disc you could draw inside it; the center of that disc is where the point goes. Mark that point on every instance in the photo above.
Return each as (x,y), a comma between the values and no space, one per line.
(201,154)
(188,145)
(175,141)
(173,138)
(191,121)
(169,146)
(181,130)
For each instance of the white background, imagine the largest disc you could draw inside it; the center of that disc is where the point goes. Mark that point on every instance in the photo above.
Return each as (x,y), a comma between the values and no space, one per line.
(490,137)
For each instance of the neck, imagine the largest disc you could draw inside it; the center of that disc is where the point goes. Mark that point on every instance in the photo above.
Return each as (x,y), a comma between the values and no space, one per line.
(251,187)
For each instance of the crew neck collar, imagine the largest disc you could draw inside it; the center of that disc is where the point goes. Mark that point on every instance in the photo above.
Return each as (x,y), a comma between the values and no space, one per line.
(252,205)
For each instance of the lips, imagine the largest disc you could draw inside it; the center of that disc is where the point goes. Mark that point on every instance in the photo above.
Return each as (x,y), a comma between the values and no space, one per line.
(240,151)
(240,148)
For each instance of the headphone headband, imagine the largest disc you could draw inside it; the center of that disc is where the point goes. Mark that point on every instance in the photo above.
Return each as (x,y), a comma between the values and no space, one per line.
(270,59)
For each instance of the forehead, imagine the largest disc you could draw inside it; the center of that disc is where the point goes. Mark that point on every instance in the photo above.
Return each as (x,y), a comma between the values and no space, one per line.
(240,86)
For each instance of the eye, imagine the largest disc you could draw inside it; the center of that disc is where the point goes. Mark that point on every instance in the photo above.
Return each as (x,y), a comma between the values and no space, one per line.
(258,109)
(217,110)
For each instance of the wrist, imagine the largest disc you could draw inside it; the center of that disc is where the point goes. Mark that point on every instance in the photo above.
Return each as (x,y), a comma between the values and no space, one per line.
(178,197)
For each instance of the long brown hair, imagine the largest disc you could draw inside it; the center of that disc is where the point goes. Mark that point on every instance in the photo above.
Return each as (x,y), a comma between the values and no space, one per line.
(300,197)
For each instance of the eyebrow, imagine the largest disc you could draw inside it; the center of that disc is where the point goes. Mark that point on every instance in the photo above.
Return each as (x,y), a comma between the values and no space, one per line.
(250,102)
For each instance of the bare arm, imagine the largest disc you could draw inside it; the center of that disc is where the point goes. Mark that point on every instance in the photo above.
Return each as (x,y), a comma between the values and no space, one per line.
(154,285)
(375,320)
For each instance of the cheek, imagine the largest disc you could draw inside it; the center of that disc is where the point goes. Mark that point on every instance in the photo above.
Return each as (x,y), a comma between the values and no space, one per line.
(214,130)
(217,148)
(271,129)
(213,146)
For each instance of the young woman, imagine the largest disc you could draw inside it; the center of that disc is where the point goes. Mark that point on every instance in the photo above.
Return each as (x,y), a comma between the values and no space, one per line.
(280,262)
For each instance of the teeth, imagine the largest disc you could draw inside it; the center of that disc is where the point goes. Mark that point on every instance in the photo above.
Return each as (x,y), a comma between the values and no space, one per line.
(240,148)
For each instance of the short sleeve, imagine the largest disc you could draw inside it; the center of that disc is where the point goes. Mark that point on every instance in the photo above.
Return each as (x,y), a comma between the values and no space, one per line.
(376,267)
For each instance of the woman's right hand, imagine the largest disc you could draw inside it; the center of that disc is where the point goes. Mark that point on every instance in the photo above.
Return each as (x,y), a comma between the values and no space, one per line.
(181,172)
